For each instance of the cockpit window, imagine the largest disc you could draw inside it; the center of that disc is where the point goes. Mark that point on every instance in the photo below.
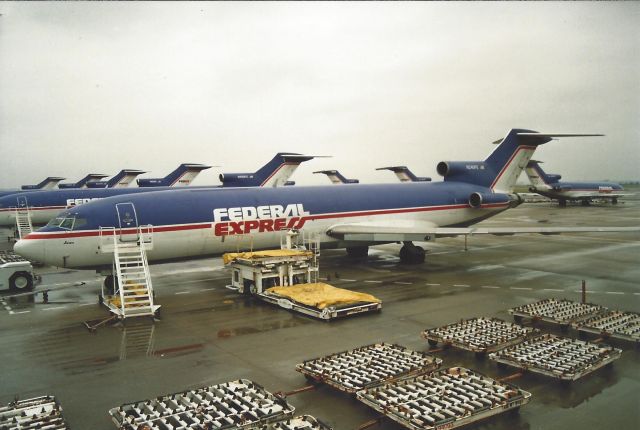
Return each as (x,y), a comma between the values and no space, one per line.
(55,222)
(79,223)
(67,223)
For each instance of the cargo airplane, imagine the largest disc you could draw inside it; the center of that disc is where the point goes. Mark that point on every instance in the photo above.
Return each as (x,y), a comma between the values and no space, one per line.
(404,174)
(44,205)
(121,180)
(337,178)
(194,223)
(549,185)
(46,184)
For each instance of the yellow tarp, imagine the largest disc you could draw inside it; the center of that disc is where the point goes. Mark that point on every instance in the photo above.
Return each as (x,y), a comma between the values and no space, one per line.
(230,256)
(321,295)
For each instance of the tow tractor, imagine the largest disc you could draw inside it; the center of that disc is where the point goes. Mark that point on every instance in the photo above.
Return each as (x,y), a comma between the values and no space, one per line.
(288,277)
(16,273)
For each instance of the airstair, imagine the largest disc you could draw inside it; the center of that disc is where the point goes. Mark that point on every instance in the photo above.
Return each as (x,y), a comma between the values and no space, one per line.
(132,295)
(23,218)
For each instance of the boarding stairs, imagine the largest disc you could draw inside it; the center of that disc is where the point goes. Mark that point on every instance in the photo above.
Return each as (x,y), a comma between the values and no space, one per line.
(23,222)
(133,295)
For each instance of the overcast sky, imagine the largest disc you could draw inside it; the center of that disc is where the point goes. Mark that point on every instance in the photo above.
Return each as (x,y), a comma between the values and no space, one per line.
(96,87)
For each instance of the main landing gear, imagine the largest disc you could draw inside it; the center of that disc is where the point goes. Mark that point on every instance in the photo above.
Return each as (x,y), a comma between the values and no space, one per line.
(411,254)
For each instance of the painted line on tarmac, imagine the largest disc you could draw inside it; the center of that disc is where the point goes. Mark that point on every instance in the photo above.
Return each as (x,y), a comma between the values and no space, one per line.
(371,282)
(553,289)
(403,283)
(182,292)
(433,285)
(53,309)
(521,288)
(489,286)
(19,312)
(462,285)
(614,292)
(348,280)
(208,289)
(87,304)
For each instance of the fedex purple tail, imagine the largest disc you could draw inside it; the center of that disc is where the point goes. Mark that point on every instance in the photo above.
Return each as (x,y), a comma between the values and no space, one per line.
(46,184)
(181,177)
(500,170)
(273,174)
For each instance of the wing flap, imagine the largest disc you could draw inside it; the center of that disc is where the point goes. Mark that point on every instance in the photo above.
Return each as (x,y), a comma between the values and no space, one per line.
(418,231)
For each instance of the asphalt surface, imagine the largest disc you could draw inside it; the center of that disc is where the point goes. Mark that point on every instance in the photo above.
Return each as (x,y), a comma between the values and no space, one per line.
(208,334)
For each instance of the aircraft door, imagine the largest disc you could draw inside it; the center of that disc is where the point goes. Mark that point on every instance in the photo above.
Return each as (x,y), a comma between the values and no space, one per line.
(128,222)
(22,202)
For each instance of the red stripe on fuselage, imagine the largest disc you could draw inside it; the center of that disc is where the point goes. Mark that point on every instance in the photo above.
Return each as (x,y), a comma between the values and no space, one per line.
(89,233)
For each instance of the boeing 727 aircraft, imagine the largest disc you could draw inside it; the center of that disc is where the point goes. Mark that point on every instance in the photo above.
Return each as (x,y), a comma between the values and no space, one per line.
(121,180)
(46,184)
(181,177)
(404,174)
(44,205)
(337,178)
(549,185)
(82,183)
(204,222)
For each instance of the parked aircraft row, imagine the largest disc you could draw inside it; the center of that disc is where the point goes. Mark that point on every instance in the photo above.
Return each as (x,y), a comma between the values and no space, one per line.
(206,221)
(45,204)
(402,172)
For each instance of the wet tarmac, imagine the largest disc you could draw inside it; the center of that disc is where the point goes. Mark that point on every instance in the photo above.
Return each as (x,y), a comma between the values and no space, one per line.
(208,334)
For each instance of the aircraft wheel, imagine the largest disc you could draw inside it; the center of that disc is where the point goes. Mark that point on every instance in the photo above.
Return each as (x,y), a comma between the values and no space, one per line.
(21,281)
(358,252)
(109,285)
(411,254)
(614,201)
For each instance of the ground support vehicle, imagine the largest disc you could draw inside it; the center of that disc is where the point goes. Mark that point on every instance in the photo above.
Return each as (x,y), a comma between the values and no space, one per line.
(612,324)
(16,273)
(560,312)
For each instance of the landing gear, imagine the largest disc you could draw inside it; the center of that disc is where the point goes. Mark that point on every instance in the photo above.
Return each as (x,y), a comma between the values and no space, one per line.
(110,282)
(358,252)
(585,203)
(614,201)
(411,254)
(562,203)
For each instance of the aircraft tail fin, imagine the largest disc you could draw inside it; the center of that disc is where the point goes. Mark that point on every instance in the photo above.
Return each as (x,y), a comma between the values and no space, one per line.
(121,180)
(45,184)
(273,174)
(82,183)
(337,178)
(404,174)
(500,170)
(181,177)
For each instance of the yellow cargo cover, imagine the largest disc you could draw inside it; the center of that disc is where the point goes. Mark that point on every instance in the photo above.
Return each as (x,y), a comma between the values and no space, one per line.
(321,295)
(230,256)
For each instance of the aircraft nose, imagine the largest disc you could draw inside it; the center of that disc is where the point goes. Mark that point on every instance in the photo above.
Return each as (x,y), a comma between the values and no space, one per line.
(31,249)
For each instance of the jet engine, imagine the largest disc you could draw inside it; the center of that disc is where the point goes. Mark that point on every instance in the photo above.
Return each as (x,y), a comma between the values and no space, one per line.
(476,200)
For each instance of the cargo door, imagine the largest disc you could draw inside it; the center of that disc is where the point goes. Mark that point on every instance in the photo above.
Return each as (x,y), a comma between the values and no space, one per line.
(128,222)
(22,202)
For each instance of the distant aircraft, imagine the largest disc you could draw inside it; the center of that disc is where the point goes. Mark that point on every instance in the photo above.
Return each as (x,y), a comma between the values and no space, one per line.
(82,183)
(336,177)
(404,174)
(46,184)
(121,180)
(273,174)
(549,185)
(195,223)
(181,177)
(44,205)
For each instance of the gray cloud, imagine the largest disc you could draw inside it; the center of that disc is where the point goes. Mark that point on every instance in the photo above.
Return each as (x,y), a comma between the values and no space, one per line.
(102,86)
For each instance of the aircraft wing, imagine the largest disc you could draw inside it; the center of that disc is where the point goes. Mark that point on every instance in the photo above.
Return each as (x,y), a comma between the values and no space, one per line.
(420,231)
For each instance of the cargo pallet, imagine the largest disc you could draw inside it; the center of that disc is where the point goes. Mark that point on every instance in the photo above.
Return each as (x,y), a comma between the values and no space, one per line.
(479,335)
(446,399)
(303,422)
(240,404)
(613,324)
(37,413)
(557,357)
(328,313)
(561,312)
(367,366)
